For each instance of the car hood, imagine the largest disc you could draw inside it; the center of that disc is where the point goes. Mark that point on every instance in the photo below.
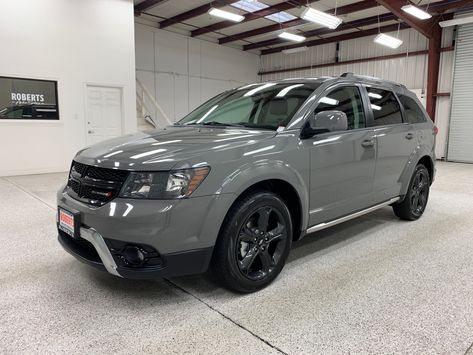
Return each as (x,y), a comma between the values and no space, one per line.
(163,149)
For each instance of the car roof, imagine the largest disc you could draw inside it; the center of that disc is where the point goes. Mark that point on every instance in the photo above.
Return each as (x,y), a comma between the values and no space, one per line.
(350,77)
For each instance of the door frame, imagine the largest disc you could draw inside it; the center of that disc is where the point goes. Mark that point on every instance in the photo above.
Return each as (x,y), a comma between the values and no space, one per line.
(121,87)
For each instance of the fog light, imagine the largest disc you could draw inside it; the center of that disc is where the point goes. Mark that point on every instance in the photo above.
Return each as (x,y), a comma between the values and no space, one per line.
(133,255)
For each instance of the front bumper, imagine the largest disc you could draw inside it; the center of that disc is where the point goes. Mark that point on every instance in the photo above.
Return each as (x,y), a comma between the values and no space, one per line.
(180,233)
(98,255)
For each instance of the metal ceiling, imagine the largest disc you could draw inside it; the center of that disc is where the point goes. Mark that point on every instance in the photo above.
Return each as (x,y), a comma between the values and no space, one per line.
(258,33)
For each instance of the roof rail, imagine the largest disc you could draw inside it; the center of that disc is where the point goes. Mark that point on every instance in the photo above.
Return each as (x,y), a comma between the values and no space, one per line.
(351,75)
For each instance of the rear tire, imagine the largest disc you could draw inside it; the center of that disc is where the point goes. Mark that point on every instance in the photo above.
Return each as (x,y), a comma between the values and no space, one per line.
(415,201)
(253,243)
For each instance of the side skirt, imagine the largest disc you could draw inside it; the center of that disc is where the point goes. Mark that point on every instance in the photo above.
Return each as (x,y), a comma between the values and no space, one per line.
(334,222)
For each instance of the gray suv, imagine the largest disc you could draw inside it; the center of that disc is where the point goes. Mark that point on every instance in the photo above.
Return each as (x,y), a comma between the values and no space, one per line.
(234,183)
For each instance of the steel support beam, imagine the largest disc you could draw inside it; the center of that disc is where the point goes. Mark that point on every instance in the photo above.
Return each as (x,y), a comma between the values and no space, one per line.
(342,10)
(201,10)
(437,7)
(433,69)
(145,5)
(282,6)
(354,61)
(332,39)
(425,27)
(321,31)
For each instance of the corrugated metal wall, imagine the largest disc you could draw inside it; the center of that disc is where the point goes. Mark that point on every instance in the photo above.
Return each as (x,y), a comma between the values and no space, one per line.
(410,70)
(460,147)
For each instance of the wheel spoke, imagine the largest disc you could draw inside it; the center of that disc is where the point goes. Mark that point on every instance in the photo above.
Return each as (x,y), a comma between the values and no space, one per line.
(266,261)
(247,235)
(263,219)
(276,233)
(415,203)
(248,259)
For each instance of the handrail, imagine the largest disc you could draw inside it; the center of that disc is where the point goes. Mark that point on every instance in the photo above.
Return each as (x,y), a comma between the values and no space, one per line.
(141,101)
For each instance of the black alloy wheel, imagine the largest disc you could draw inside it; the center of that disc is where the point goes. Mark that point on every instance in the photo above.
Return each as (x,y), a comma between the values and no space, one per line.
(415,201)
(419,192)
(253,243)
(260,243)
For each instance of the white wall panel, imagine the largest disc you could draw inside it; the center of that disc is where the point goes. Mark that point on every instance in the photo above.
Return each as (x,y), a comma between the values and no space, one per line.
(75,43)
(187,71)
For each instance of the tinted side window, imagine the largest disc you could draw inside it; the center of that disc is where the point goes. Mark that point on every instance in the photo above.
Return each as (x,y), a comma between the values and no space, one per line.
(413,112)
(348,100)
(385,107)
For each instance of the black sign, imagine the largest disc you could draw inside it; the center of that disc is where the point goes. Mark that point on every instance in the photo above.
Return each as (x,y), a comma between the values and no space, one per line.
(28,99)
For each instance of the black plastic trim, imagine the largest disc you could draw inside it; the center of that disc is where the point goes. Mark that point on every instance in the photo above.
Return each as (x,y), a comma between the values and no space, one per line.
(188,262)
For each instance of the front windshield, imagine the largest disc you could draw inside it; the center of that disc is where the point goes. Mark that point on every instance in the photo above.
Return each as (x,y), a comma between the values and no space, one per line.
(265,105)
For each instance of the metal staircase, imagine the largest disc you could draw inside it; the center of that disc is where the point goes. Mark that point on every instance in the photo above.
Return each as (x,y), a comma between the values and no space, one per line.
(149,113)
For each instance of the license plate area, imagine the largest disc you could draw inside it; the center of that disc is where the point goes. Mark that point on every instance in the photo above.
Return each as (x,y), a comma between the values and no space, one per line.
(69,222)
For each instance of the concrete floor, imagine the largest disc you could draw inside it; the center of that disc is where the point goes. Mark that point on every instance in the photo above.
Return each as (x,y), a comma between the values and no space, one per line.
(375,284)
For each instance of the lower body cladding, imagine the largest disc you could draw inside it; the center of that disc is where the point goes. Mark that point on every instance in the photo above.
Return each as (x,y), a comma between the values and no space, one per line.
(145,239)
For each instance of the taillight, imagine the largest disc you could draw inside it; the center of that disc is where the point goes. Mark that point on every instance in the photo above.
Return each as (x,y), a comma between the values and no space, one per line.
(435,130)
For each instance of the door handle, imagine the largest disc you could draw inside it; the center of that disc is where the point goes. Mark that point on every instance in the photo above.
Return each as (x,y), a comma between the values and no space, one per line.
(409,135)
(368,143)
(90,132)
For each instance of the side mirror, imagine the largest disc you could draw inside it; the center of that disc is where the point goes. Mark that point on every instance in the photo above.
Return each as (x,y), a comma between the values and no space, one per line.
(325,121)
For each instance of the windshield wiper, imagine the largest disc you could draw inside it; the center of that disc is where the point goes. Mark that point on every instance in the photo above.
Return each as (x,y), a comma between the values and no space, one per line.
(257,126)
(216,123)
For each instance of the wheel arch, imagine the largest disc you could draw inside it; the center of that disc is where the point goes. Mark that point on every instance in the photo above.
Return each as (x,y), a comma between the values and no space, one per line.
(421,157)
(287,192)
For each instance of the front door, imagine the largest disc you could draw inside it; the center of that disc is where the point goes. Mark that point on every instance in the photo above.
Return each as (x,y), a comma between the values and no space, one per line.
(104,113)
(342,163)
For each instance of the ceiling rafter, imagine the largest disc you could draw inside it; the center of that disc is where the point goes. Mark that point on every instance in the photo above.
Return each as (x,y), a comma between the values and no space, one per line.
(146,5)
(436,8)
(201,10)
(423,26)
(282,6)
(342,10)
(321,31)
(343,37)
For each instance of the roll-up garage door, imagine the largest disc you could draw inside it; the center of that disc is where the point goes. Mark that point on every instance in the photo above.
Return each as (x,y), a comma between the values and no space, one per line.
(460,141)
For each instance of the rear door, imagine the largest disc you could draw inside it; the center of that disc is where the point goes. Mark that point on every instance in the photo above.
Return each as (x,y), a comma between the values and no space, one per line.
(342,163)
(396,141)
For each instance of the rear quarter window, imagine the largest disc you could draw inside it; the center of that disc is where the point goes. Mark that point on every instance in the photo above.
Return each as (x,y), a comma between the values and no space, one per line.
(385,107)
(413,112)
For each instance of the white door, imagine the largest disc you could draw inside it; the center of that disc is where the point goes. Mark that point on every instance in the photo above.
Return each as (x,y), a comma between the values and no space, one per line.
(104,113)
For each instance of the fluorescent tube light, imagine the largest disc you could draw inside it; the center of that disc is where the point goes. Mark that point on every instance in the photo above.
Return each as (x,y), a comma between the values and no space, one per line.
(416,12)
(457,21)
(321,18)
(291,37)
(226,15)
(295,50)
(388,41)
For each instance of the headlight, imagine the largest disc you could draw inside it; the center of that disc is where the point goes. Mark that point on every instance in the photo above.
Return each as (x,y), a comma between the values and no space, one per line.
(163,185)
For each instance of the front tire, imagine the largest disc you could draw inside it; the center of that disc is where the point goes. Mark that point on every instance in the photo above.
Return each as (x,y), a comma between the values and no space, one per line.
(254,243)
(415,201)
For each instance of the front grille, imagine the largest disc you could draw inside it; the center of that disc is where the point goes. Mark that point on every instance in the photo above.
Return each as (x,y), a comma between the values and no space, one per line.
(93,185)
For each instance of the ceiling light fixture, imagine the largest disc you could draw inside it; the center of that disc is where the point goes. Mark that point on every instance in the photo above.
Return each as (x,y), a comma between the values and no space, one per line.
(291,37)
(295,50)
(388,41)
(321,18)
(226,15)
(416,12)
